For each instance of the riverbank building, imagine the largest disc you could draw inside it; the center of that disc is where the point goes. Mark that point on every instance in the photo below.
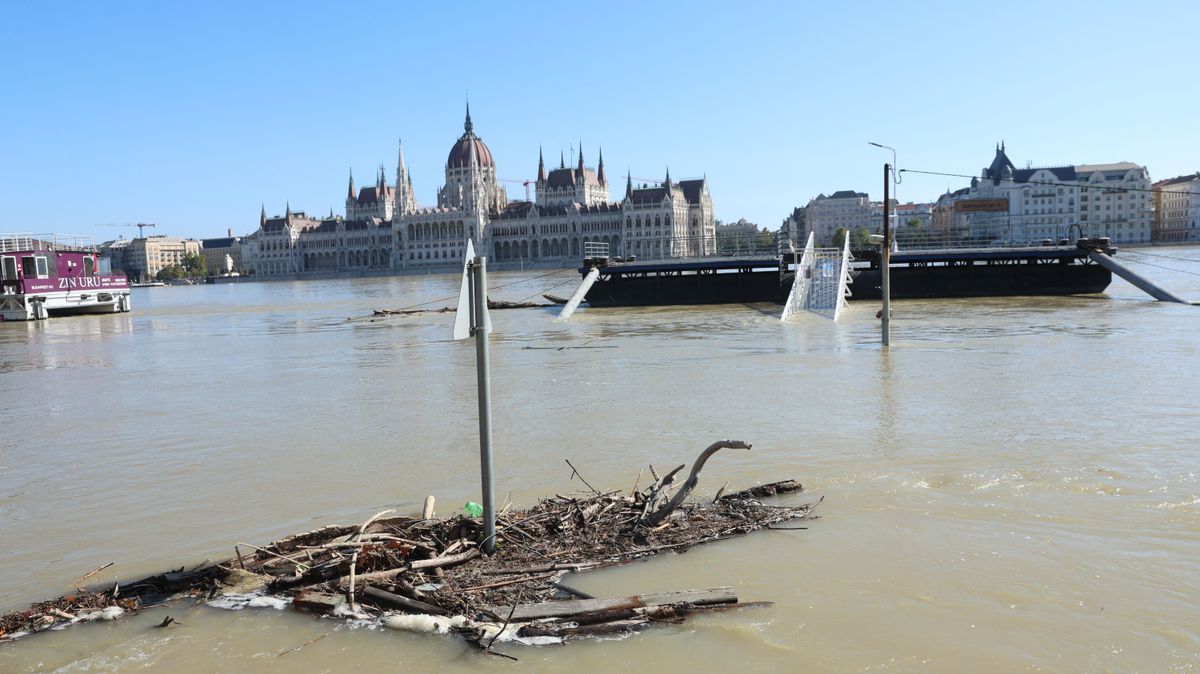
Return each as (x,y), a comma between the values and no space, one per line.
(384,228)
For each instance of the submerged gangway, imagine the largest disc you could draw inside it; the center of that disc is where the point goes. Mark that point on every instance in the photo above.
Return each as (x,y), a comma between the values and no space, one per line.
(821,283)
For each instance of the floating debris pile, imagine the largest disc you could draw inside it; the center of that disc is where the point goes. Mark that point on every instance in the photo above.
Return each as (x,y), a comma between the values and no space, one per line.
(424,573)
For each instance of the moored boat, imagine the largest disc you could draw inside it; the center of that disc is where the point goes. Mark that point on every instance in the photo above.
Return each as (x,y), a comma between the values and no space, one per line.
(1060,268)
(48,274)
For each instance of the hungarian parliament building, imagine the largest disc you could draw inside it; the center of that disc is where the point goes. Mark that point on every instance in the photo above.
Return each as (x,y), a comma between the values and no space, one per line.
(384,228)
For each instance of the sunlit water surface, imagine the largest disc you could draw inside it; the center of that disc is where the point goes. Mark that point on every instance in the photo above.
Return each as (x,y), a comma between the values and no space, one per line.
(1012,488)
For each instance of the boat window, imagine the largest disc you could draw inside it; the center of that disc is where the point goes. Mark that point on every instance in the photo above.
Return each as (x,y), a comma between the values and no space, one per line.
(89,266)
(42,270)
(8,271)
(28,267)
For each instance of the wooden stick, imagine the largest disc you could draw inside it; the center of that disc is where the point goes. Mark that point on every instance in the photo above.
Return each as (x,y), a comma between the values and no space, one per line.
(720,491)
(572,591)
(575,471)
(299,565)
(89,575)
(366,524)
(445,560)
(427,510)
(411,605)
(506,622)
(306,643)
(540,569)
(353,568)
(502,583)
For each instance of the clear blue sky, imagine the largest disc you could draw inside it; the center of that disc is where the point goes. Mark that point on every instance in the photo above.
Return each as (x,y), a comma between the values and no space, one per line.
(191,115)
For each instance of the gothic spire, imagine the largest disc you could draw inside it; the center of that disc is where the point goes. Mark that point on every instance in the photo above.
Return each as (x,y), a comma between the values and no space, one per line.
(350,189)
(667,183)
(580,168)
(468,127)
(628,184)
(600,169)
(288,212)
(562,162)
(262,217)
(541,166)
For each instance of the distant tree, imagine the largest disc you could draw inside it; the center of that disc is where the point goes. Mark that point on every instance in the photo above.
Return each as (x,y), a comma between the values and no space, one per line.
(170,273)
(858,238)
(839,237)
(765,240)
(912,234)
(194,265)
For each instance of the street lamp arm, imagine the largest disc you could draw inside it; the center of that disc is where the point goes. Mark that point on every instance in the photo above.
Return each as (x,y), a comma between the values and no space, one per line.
(896,178)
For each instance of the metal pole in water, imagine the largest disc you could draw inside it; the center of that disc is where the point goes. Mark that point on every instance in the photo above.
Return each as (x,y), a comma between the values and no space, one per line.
(886,262)
(483,370)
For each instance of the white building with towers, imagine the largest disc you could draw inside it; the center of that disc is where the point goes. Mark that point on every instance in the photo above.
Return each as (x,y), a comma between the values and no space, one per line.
(385,228)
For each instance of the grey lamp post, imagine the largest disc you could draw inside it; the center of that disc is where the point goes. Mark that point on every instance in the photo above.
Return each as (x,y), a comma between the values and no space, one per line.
(885,260)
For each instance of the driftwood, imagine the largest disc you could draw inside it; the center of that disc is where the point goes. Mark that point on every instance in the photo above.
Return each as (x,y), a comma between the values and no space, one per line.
(494,305)
(435,567)
(764,490)
(693,479)
(404,603)
(577,607)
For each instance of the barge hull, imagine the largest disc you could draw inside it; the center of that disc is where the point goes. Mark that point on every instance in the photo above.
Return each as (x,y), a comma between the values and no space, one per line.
(983,281)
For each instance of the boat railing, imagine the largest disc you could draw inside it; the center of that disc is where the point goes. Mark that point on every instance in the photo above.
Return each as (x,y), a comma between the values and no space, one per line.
(595,250)
(722,246)
(10,243)
(922,239)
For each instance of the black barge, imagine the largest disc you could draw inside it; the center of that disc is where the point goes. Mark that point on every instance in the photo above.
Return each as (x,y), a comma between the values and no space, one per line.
(1063,269)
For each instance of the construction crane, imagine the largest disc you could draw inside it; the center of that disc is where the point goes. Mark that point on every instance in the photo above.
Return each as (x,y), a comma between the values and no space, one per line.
(140,225)
(520,181)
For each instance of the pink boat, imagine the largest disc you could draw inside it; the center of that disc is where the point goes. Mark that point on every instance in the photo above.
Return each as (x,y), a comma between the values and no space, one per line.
(47,275)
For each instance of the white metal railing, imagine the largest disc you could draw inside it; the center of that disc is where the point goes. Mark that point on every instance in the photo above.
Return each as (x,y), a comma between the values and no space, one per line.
(26,241)
(694,247)
(595,249)
(10,243)
(821,282)
(926,239)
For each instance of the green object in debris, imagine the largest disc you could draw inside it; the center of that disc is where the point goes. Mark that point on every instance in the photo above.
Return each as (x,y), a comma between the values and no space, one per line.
(473,509)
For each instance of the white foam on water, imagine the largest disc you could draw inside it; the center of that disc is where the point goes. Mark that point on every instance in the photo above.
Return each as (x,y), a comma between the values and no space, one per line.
(237,602)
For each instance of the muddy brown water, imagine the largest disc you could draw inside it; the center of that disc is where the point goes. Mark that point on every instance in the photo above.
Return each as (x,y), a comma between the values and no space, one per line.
(1014,487)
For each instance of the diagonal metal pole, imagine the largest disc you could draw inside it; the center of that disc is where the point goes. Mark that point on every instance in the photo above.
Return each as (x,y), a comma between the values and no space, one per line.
(484,372)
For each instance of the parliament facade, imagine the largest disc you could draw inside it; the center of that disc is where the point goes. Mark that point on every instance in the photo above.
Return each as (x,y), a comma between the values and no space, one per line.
(384,229)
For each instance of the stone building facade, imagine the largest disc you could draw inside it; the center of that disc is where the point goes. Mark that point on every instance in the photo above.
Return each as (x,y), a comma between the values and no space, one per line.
(1177,209)
(142,258)
(1047,203)
(384,228)
(844,209)
(222,253)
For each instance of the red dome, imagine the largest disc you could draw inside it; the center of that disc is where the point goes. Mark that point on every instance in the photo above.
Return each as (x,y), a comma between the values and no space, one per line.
(460,154)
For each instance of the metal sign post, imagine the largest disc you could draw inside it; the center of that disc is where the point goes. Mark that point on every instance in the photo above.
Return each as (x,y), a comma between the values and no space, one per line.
(473,318)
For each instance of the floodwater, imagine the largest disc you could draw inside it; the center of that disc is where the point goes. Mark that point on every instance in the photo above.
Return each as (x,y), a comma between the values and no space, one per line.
(1015,486)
